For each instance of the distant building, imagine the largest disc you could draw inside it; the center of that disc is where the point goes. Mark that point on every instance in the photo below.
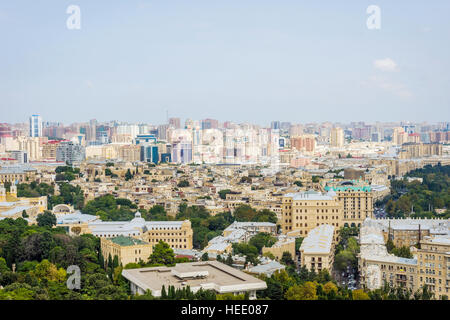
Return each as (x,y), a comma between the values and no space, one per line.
(337,138)
(70,152)
(35,126)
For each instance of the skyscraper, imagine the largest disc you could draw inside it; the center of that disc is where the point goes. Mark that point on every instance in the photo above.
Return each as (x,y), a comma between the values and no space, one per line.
(35,126)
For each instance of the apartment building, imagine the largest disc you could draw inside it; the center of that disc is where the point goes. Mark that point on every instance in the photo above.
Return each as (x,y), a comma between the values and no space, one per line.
(317,249)
(307,210)
(433,259)
(357,203)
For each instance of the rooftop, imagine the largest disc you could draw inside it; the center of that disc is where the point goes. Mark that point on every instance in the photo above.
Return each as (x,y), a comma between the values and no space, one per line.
(127,241)
(319,240)
(207,275)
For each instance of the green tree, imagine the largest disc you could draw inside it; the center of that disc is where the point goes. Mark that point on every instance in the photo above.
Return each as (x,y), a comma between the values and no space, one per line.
(162,254)
(128,175)
(46,219)
(307,291)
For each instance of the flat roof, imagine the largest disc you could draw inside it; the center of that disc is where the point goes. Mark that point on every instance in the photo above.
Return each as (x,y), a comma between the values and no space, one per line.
(319,240)
(212,275)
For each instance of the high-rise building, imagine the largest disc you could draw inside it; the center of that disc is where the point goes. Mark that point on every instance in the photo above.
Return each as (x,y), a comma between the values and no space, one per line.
(304,143)
(175,122)
(210,124)
(69,152)
(337,137)
(35,126)
(275,125)
(91,132)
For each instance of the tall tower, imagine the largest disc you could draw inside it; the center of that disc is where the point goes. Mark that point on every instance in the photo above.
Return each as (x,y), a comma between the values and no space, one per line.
(35,126)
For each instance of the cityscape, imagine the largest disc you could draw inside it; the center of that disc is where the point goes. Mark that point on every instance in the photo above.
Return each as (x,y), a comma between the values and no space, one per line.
(344,211)
(224,159)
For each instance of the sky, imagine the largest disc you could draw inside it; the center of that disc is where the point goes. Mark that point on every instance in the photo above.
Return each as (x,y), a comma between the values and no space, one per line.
(238,60)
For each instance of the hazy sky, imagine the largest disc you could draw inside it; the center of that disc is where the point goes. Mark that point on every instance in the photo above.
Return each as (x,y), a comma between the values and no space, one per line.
(239,60)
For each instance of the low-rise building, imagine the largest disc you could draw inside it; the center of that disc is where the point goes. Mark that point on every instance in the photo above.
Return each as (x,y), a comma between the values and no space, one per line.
(206,275)
(284,244)
(127,249)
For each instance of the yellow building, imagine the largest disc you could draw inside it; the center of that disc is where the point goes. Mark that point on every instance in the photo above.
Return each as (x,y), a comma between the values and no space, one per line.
(127,249)
(284,244)
(12,207)
(178,234)
(433,259)
(305,211)
(357,203)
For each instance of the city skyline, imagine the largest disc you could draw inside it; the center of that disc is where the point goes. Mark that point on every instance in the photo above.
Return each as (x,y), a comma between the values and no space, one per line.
(136,61)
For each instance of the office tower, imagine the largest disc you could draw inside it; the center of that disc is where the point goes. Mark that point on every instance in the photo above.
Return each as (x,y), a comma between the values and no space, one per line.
(275,125)
(35,126)
(337,137)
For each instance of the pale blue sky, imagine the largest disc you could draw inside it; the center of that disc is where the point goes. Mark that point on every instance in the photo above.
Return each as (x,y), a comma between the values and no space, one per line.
(239,60)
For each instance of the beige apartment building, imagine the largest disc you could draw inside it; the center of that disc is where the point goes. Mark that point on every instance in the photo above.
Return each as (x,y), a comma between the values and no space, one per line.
(417,150)
(284,244)
(305,211)
(337,137)
(127,249)
(397,272)
(357,204)
(433,260)
(317,249)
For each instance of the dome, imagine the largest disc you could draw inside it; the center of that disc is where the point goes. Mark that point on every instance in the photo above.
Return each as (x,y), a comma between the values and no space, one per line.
(137,220)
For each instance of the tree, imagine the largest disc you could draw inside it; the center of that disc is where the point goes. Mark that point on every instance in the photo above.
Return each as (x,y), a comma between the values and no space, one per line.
(223,193)
(128,175)
(307,291)
(162,254)
(286,259)
(359,294)
(24,214)
(205,256)
(46,219)
(298,183)
(262,239)
(229,260)
(329,287)
(298,243)
(183,184)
